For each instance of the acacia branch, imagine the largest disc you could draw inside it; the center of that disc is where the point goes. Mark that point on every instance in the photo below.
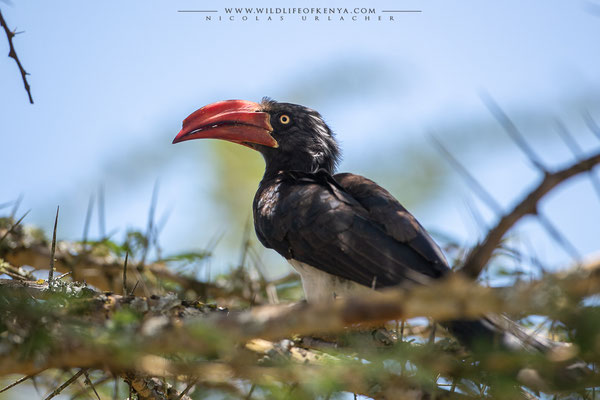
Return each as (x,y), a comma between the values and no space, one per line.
(103,272)
(170,327)
(12,53)
(480,255)
(180,321)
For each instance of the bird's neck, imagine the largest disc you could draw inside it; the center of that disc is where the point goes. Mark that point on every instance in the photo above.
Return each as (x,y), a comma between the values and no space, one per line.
(295,162)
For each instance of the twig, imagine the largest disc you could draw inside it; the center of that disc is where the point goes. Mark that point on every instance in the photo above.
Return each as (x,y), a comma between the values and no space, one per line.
(53,250)
(101,217)
(245,243)
(62,387)
(481,254)
(35,385)
(88,218)
(433,328)
(125,274)
(83,391)
(12,53)
(16,205)
(15,383)
(567,138)
(479,223)
(475,185)
(89,382)
(157,231)
(577,152)
(511,130)
(13,226)
(64,275)
(134,287)
(493,204)
(189,387)
(150,228)
(559,237)
(591,124)
(402,331)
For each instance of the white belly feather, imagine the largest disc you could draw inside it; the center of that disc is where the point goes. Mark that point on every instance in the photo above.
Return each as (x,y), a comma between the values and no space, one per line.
(321,286)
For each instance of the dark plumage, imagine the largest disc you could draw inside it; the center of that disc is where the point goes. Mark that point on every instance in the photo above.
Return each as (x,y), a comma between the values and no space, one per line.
(305,143)
(343,224)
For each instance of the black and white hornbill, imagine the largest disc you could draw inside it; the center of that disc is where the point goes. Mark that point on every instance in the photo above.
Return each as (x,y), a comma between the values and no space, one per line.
(342,232)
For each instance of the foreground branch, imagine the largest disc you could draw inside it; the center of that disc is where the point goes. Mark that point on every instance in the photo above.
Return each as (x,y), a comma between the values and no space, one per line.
(482,253)
(191,326)
(163,336)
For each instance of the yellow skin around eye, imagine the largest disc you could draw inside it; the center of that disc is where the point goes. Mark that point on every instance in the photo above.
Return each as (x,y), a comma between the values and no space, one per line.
(284,119)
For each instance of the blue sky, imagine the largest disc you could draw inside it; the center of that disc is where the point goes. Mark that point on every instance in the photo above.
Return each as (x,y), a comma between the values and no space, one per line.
(113,79)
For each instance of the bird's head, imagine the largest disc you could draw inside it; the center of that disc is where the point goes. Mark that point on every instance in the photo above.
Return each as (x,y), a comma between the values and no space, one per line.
(289,136)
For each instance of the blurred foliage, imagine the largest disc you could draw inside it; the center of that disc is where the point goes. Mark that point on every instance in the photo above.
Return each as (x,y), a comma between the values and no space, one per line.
(238,170)
(414,174)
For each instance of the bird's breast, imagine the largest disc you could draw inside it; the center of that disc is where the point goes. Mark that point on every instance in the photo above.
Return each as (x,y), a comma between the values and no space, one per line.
(267,201)
(320,286)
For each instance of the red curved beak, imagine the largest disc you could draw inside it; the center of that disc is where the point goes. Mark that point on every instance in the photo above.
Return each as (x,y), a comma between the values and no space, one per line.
(237,121)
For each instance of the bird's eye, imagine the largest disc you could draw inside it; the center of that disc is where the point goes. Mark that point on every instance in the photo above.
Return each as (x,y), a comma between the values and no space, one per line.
(284,119)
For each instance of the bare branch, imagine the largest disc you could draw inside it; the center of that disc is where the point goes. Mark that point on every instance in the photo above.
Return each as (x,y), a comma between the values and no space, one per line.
(101,211)
(577,152)
(12,53)
(511,129)
(9,231)
(481,254)
(89,382)
(88,218)
(62,387)
(125,274)
(473,183)
(489,200)
(559,237)
(16,205)
(187,389)
(591,124)
(15,383)
(151,223)
(14,272)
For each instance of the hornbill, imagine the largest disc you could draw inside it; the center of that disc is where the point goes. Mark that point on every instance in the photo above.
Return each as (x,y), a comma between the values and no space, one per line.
(342,233)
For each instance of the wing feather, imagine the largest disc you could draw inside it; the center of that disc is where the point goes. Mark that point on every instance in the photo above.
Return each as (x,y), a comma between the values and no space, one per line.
(350,227)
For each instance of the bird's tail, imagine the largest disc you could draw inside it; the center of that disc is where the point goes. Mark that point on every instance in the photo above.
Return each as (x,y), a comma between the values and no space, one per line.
(501,332)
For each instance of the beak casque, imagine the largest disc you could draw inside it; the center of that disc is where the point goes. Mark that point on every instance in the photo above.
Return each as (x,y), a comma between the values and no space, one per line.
(237,121)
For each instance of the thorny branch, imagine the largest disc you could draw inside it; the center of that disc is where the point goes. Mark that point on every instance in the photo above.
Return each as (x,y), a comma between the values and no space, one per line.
(479,256)
(451,299)
(102,271)
(12,53)
(169,326)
